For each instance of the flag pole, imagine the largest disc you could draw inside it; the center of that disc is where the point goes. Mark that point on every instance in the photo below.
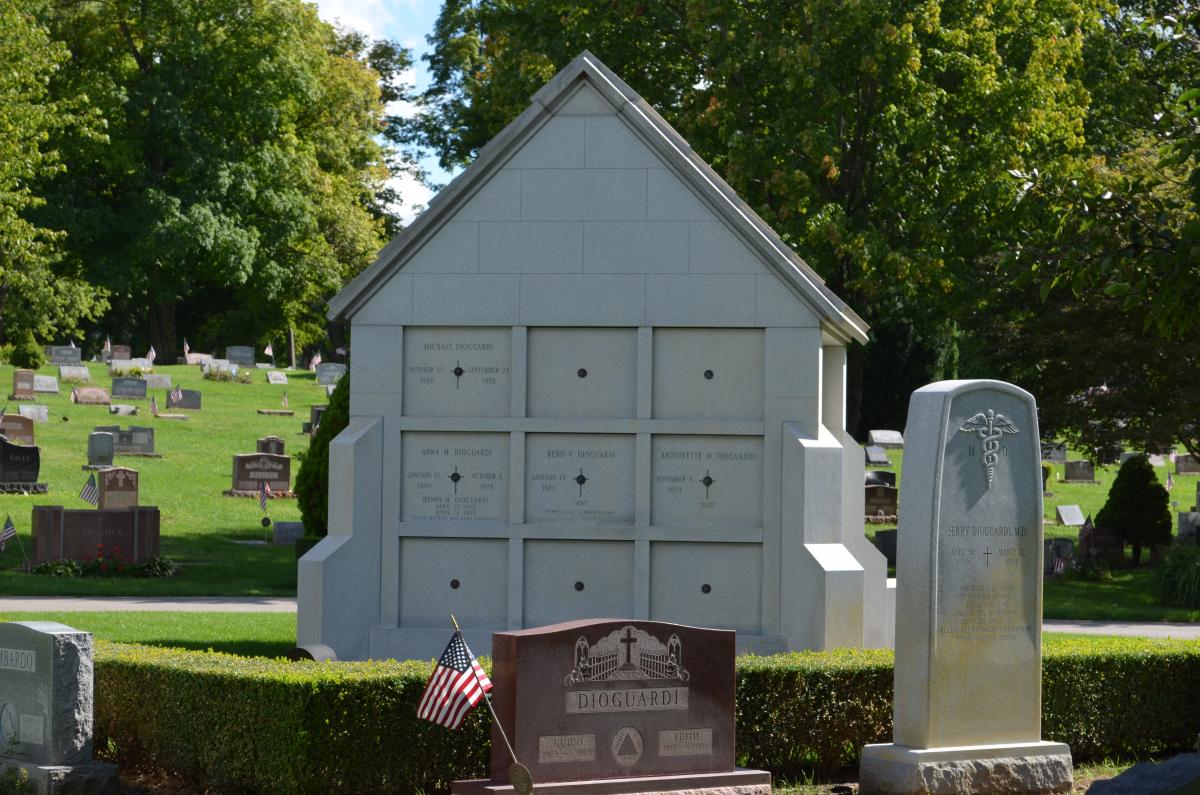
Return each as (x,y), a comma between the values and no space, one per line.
(488,699)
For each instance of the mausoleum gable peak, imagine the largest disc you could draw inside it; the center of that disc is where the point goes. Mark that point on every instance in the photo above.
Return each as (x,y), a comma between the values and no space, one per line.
(586,92)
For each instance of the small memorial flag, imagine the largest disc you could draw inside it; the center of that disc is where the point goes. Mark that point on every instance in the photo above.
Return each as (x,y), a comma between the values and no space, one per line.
(174,397)
(151,355)
(72,343)
(186,349)
(75,395)
(285,400)
(456,686)
(1085,535)
(316,359)
(264,494)
(153,406)
(1170,481)
(107,344)
(269,351)
(8,533)
(90,493)
(1060,565)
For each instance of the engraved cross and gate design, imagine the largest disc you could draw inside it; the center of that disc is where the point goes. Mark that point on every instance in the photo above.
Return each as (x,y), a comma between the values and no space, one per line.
(627,654)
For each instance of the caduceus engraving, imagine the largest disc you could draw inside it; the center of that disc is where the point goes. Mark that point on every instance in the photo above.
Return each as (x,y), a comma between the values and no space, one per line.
(990,426)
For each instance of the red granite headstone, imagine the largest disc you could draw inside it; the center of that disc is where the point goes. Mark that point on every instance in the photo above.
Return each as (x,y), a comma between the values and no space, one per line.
(17,429)
(616,706)
(22,385)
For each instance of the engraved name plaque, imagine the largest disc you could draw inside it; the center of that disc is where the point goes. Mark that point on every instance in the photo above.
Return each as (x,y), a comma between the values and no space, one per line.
(579,477)
(457,372)
(706,480)
(455,477)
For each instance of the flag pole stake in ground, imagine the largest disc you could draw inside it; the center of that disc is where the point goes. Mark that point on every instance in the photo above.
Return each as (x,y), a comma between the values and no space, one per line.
(518,774)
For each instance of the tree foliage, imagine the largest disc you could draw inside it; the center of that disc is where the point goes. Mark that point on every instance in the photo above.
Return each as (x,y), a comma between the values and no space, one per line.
(1136,509)
(241,166)
(312,481)
(38,294)
(874,136)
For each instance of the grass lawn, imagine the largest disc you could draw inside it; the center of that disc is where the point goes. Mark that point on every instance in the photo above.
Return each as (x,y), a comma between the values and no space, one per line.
(199,524)
(1127,598)
(248,634)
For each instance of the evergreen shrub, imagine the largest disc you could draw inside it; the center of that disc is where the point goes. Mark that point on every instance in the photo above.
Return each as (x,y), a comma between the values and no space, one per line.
(276,726)
(312,481)
(27,353)
(1136,509)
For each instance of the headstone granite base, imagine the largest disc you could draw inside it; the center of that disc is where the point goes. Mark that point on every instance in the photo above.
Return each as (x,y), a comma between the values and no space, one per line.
(1018,768)
(739,782)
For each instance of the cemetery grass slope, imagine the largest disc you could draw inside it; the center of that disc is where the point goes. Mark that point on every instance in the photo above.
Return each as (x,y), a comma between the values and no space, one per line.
(199,524)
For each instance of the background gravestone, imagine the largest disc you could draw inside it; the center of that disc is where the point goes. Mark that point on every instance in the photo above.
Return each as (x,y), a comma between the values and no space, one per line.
(19,467)
(119,366)
(45,383)
(270,444)
(157,381)
(330,373)
(35,412)
(1079,472)
(100,450)
(123,410)
(240,354)
(17,429)
(886,439)
(74,373)
(120,352)
(65,354)
(276,377)
(129,388)
(1186,465)
(251,469)
(1070,515)
(118,488)
(877,456)
(137,440)
(90,395)
(187,399)
(46,707)
(969,617)
(22,385)
(647,702)
(1054,452)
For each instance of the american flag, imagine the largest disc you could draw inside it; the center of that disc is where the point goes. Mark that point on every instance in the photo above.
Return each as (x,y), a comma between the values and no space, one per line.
(268,351)
(153,405)
(1170,481)
(316,359)
(9,533)
(107,344)
(285,400)
(1060,565)
(75,395)
(340,351)
(174,397)
(456,686)
(151,355)
(90,493)
(264,494)
(1085,534)
(186,349)
(72,343)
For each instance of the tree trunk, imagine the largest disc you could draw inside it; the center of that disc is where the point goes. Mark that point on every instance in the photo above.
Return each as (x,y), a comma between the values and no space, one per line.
(162,330)
(1137,554)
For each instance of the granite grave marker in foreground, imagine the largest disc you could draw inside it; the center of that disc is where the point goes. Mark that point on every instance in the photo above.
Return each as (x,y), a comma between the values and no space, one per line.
(251,469)
(23,388)
(129,387)
(270,444)
(184,399)
(74,533)
(19,466)
(590,382)
(46,701)
(17,429)
(90,396)
(968,671)
(617,707)
(100,450)
(1079,472)
(45,383)
(118,488)
(35,412)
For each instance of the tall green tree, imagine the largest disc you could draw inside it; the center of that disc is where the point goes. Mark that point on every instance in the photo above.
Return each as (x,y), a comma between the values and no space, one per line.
(38,293)
(241,165)
(1136,508)
(875,136)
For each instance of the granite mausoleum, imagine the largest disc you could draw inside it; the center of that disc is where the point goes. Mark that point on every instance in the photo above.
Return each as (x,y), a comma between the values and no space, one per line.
(594,383)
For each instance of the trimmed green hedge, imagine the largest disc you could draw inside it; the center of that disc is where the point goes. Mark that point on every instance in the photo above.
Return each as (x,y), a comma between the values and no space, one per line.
(275,726)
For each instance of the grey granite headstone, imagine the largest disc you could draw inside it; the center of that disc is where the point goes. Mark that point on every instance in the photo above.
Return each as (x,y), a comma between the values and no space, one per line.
(35,412)
(123,410)
(1179,775)
(136,440)
(100,449)
(270,444)
(65,354)
(1079,472)
(1054,452)
(968,618)
(276,377)
(157,381)
(45,383)
(886,438)
(1186,465)
(129,388)
(286,533)
(240,354)
(73,372)
(1126,455)
(187,399)
(330,373)
(877,456)
(1189,526)
(46,704)
(1070,515)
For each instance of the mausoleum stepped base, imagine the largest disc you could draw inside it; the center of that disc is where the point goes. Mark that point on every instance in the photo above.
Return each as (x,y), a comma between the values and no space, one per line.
(93,778)
(1037,768)
(23,488)
(739,782)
